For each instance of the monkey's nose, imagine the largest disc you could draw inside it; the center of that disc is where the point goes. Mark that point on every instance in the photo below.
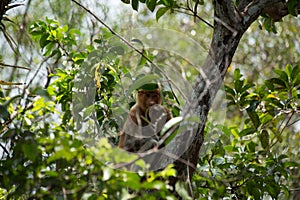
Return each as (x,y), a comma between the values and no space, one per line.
(151,103)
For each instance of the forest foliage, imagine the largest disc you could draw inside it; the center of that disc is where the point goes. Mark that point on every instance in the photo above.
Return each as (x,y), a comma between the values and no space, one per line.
(58,141)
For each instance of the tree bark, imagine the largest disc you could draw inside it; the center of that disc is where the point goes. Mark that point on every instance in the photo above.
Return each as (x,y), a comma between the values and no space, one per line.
(230,23)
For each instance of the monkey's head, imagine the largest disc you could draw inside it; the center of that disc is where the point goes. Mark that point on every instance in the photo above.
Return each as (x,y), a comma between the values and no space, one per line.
(148,98)
(149,95)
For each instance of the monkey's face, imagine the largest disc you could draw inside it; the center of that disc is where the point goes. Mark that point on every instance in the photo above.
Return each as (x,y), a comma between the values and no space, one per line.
(149,98)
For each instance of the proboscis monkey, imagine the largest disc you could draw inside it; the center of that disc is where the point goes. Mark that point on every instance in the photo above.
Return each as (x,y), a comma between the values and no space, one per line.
(141,130)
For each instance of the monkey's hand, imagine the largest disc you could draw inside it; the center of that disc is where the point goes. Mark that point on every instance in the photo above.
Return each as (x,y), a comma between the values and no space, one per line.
(149,144)
(158,116)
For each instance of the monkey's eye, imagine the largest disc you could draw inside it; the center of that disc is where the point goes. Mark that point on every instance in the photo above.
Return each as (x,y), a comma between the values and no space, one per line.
(155,95)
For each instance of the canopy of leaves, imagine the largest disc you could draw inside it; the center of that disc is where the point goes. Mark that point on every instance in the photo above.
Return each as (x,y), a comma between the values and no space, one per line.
(66,83)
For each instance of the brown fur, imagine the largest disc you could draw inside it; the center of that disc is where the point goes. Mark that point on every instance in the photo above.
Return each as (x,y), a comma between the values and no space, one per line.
(138,114)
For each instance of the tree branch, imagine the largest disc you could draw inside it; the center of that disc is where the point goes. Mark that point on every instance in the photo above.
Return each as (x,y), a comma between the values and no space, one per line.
(275,9)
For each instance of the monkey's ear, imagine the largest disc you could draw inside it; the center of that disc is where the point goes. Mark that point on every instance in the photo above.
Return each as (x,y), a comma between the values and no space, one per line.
(149,86)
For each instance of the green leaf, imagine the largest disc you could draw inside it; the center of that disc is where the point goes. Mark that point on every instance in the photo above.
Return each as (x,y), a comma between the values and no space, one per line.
(88,111)
(254,118)
(254,189)
(253,106)
(36,33)
(51,173)
(4,114)
(295,93)
(143,60)
(168,3)
(42,92)
(44,40)
(142,81)
(264,139)
(266,118)
(276,102)
(172,122)
(295,74)
(277,81)
(168,171)
(48,48)
(218,149)
(107,173)
(251,147)
(247,131)
(74,32)
(118,50)
(289,69)
(246,87)
(272,187)
(126,1)
(228,148)
(252,114)
(255,193)
(161,12)
(235,132)
(283,75)
(238,84)
(135,40)
(150,86)
(270,85)
(30,151)
(135,4)
(282,157)
(237,74)
(182,191)
(293,7)
(230,90)
(269,25)
(225,129)
(151,4)
(289,164)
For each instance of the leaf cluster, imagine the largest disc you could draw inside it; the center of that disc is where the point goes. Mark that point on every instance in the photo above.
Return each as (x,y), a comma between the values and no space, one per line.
(45,157)
(163,6)
(247,161)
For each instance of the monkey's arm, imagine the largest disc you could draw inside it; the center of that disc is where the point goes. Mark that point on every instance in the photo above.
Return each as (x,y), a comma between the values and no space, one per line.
(122,139)
(169,114)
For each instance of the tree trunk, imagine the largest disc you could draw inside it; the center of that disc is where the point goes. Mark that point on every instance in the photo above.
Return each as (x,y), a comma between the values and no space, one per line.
(230,23)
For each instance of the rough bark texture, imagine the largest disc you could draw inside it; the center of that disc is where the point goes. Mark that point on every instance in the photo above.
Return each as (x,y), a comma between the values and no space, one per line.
(230,23)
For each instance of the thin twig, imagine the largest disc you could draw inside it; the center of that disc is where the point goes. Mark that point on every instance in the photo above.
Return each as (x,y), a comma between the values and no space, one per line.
(192,14)
(14,66)
(4,149)
(35,74)
(10,83)
(195,9)
(281,132)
